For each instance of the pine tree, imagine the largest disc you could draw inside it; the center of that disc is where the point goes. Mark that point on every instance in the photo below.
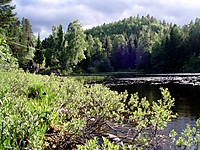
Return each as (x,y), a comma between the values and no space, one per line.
(6,14)
(25,45)
(107,45)
(38,58)
(60,47)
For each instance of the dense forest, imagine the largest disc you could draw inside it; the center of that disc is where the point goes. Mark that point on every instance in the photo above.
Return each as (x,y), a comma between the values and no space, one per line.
(139,43)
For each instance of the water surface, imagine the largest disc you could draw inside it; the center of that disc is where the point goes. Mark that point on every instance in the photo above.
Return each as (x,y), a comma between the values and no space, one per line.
(187,101)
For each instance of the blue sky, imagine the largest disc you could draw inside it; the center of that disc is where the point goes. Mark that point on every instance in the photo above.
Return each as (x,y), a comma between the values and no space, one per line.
(43,14)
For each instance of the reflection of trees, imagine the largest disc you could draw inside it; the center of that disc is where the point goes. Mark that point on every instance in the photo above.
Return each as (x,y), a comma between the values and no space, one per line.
(187,98)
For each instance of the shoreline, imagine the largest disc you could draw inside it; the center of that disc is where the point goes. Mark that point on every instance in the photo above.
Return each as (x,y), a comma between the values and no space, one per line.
(155,80)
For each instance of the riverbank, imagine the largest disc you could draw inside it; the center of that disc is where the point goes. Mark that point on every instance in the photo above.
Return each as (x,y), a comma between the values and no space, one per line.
(154,79)
(52,112)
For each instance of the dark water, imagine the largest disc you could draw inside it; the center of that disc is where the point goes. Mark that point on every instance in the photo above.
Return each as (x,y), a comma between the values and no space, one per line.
(187,101)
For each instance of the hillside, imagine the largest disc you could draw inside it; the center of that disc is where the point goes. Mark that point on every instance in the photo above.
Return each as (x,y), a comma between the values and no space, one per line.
(136,44)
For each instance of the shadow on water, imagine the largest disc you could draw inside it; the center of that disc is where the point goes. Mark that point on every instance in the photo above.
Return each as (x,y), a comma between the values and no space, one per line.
(187,101)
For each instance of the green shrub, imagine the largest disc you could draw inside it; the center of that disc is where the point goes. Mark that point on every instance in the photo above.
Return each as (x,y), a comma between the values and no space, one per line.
(93,145)
(32,104)
(50,112)
(7,61)
(189,138)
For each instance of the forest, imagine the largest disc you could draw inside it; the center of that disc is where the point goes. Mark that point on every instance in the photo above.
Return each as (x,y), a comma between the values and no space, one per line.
(135,44)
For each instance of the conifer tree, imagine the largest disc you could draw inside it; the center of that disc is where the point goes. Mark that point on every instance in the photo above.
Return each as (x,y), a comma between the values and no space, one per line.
(6,14)
(39,57)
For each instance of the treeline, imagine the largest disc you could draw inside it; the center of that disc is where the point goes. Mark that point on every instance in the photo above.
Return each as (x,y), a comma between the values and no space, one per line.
(148,44)
(136,44)
(132,44)
(16,38)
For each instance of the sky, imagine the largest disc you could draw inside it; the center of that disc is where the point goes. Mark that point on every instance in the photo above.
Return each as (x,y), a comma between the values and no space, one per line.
(43,14)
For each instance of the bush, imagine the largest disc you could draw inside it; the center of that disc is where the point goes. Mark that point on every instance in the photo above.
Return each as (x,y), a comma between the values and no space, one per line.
(33,105)
(49,112)
(6,59)
(189,138)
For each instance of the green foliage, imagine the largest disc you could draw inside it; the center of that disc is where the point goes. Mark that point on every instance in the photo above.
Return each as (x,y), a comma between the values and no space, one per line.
(193,64)
(100,51)
(7,16)
(150,119)
(192,42)
(24,121)
(145,120)
(65,50)
(189,138)
(21,41)
(107,145)
(76,44)
(16,131)
(166,52)
(38,55)
(46,112)
(30,109)
(90,145)
(136,43)
(6,59)
(131,41)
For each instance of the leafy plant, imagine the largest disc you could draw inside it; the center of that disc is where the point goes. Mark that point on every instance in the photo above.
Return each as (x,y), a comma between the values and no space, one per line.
(189,138)
(94,144)
(50,112)
(148,120)
(6,58)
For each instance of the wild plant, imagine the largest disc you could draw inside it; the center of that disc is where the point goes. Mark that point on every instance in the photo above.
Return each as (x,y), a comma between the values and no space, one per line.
(189,138)
(46,112)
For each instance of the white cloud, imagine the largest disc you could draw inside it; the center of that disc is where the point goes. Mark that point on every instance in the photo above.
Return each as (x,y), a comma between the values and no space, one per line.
(43,14)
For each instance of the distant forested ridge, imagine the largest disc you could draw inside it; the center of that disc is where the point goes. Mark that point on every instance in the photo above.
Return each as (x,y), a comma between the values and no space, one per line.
(137,43)
(149,45)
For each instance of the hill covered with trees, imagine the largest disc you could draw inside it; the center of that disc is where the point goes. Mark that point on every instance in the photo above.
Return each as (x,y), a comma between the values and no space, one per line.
(134,44)
(137,43)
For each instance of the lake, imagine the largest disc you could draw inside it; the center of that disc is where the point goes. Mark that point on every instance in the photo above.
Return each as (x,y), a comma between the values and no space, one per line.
(187,100)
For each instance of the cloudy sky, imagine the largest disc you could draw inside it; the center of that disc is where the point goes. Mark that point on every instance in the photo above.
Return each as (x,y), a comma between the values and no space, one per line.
(43,14)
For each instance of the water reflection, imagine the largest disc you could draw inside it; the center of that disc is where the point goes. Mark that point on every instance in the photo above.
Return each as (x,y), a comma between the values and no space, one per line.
(187,100)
